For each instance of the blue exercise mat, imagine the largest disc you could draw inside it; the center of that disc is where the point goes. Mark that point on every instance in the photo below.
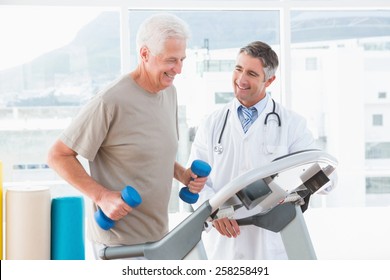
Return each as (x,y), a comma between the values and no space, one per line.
(67,228)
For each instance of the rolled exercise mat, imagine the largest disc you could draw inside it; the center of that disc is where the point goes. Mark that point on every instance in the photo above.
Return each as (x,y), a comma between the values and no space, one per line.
(1,210)
(28,223)
(67,228)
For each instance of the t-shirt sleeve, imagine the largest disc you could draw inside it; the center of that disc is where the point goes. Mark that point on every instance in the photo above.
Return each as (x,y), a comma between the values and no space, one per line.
(88,129)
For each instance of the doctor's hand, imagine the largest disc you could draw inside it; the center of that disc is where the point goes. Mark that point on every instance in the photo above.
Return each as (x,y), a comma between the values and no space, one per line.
(227,227)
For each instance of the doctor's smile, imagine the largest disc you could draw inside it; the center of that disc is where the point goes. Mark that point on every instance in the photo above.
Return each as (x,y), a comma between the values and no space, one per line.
(242,87)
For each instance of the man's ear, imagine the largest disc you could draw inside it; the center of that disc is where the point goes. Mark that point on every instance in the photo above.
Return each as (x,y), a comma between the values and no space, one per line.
(144,53)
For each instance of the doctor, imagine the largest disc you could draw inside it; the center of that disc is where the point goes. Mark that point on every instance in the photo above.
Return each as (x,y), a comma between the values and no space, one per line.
(248,132)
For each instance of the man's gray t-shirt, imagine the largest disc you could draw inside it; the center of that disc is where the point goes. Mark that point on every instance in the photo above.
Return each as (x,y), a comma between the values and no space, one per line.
(130,137)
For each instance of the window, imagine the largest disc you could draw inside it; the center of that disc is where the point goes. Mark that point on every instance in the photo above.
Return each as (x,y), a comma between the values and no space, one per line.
(43,85)
(377,120)
(377,185)
(215,65)
(382,95)
(339,105)
(211,52)
(311,64)
(52,62)
(223,97)
(378,150)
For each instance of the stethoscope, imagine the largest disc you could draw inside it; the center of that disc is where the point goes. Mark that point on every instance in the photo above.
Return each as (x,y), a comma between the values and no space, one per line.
(218,147)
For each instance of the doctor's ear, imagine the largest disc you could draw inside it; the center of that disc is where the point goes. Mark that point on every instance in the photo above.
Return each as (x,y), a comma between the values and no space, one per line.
(269,81)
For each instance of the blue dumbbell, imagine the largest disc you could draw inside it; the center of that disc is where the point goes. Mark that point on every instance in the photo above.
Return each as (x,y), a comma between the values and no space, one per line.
(130,196)
(201,169)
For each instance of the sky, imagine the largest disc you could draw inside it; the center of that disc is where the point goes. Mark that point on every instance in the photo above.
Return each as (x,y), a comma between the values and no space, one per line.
(27,32)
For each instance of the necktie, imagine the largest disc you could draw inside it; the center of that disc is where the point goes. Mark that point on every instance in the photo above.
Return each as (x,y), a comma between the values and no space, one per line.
(248,114)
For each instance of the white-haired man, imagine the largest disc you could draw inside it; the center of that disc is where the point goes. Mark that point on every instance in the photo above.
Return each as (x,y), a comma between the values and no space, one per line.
(129,134)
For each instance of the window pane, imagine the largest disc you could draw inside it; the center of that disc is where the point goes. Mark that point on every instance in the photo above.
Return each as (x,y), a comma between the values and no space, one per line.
(340,99)
(211,53)
(52,62)
(382,95)
(378,184)
(205,82)
(377,120)
(375,150)
(377,191)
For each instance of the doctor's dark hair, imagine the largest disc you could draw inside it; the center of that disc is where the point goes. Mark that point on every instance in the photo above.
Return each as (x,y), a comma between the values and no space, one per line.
(266,55)
(157,29)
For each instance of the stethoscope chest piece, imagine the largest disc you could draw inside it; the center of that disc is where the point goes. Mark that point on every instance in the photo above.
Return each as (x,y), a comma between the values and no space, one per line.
(218,149)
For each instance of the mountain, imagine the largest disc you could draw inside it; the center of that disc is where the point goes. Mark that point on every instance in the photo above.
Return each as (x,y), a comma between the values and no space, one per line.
(94,54)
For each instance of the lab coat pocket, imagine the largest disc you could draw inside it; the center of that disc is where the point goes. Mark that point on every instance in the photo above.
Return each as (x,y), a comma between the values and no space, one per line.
(275,150)
(272,139)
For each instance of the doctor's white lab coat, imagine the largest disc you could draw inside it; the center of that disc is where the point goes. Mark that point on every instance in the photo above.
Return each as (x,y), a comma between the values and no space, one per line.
(242,152)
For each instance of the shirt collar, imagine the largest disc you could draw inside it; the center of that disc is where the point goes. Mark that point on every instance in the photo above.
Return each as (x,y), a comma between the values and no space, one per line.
(260,106)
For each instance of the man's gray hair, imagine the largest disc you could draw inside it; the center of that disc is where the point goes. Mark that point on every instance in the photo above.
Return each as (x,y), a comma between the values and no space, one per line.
(266,55)
(157,29)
